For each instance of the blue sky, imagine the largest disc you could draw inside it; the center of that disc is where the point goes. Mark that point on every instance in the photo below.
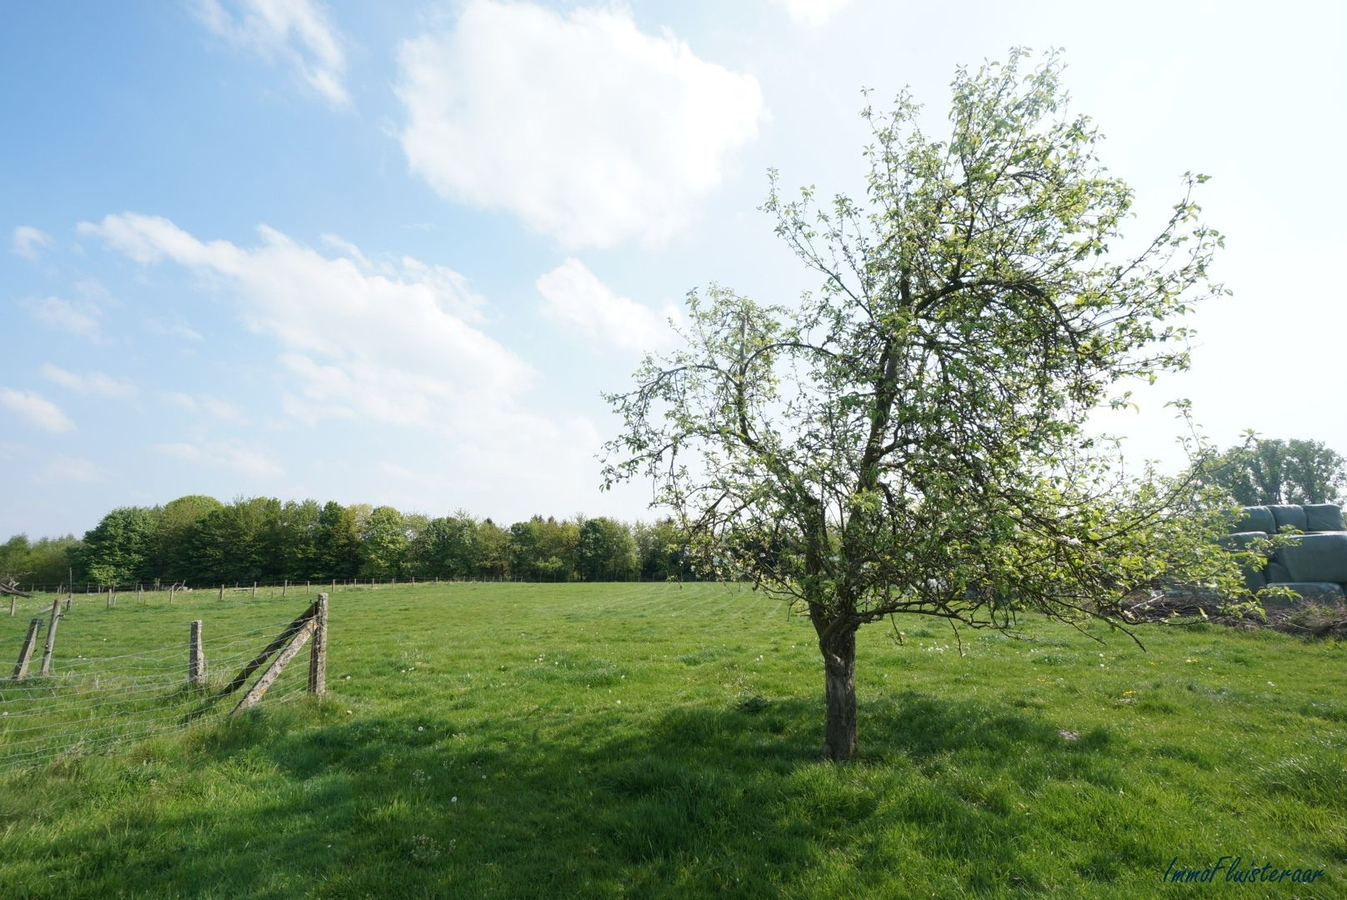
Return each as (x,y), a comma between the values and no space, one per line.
(392,253)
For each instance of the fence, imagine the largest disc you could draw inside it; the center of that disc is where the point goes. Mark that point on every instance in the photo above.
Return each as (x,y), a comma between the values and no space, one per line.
(72,705)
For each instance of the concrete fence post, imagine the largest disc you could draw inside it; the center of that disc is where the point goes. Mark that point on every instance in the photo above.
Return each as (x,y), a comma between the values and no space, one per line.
(196,656)
(51,636)
(318,650)
(26,654)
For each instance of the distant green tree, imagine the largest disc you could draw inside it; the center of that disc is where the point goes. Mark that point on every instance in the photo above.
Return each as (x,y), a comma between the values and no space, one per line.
(606,551)
(337,542)
(176,519)
(1261,471)
(661,548)
(235,543)
(383,543)
(121,546)
(297,540)
(544,549)
(493,550)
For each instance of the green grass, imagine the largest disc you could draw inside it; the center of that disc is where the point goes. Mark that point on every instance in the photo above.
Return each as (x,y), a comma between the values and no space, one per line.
(647,740)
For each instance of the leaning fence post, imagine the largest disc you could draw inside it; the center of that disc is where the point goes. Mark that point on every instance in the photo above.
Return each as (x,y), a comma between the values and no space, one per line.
(196,657)
(51,636)
(318,650)
(274,670)
(26,654)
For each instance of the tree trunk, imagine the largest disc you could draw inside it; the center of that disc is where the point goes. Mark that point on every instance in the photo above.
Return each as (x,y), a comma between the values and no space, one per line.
(839,674)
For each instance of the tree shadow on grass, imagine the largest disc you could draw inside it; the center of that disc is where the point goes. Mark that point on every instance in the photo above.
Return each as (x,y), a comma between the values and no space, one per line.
(697,800)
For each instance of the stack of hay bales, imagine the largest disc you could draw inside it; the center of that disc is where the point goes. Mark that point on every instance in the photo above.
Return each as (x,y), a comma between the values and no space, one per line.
(1312,560)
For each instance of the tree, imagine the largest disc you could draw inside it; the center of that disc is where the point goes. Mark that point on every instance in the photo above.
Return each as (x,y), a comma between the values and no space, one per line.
(173,557)
(120,548)
(606,551)
(337,541)
(908,438)
(1262,471)
(383,543)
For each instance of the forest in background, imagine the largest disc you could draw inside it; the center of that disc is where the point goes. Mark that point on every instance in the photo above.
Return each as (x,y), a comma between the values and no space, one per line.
(197,540)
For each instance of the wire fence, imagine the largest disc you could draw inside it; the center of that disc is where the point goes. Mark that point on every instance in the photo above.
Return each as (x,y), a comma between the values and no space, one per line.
(95,704)
(236,587)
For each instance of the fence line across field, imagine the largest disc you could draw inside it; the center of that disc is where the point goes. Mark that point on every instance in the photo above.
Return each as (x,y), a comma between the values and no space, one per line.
(96,702)
(90,589)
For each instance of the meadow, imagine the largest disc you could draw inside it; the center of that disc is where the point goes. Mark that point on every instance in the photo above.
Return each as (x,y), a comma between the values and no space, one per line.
(622,740)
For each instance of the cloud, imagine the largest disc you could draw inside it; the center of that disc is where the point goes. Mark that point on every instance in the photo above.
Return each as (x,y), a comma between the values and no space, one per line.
(27,240)
(389,344)
(581,125)
(166,328)
(572,293)
(62,468)
(36,410)
(295,32)
(229,455)
(79,319)
(813,12)
(98,383)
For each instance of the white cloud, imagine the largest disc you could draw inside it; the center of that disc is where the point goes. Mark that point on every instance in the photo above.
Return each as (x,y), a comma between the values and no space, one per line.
(27,240)
(296,32)
(389,344)
(228,455)
(813,12)
(166,328)
(36,410)
(99,383)
(62,468)
(79,319)
(581,125)
(572,293)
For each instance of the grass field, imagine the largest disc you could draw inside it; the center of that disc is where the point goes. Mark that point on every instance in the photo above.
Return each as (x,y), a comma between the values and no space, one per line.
(651,740)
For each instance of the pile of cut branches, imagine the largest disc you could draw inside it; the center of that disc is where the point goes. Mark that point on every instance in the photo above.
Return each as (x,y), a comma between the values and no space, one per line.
(1308,616)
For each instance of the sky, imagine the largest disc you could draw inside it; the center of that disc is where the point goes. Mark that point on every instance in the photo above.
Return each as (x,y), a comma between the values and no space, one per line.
(393,253)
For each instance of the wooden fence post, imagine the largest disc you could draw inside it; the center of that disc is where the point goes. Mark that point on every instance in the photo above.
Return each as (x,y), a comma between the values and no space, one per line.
(12,598)
(26,654)
(172,589)
(254,590)
(51,636)
(274,670)
(222,592)
(285,586)
(196,657)
(140,593)
(318,650)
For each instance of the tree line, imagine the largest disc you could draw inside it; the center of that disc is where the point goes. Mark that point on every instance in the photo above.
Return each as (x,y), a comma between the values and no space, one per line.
(197,540)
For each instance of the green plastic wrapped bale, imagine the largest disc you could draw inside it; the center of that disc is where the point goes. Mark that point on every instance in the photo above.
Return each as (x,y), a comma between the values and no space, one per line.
(1316,557)
(1323,517)
(1253,575)
(1276,573)
(1256,518)
(1311,591)
(1289,514)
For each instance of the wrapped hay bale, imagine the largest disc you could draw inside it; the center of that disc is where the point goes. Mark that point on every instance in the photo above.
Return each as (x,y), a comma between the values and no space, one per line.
(1316,557)
(1323,517)
(1276,573)
(1247,541)
(1256,518)
(1288,514)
